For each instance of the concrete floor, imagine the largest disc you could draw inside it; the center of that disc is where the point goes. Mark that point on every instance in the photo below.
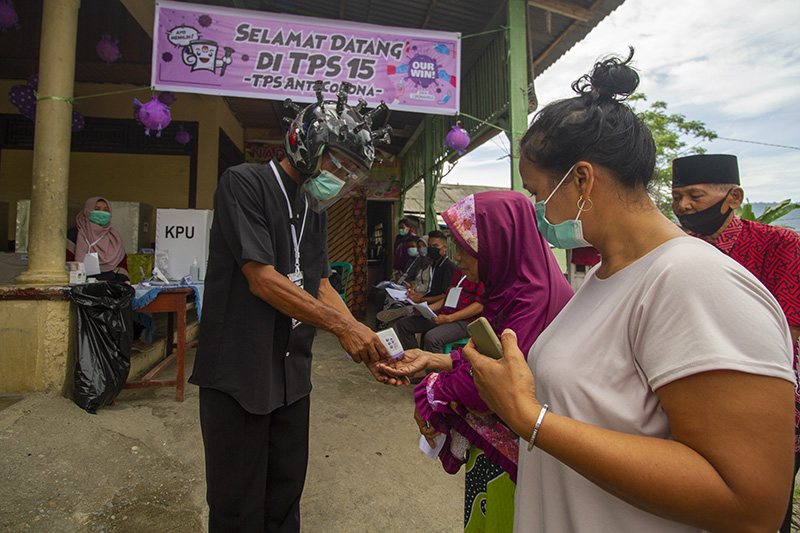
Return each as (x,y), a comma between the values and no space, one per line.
(138,465)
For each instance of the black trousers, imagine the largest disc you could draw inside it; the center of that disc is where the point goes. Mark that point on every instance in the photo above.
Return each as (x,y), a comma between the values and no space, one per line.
(255,464)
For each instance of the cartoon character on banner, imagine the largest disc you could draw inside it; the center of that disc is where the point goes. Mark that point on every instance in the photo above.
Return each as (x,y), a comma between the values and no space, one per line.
(422,69)
(200,54)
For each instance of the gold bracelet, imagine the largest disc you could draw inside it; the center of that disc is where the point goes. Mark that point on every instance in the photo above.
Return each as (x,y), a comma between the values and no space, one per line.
(537,426)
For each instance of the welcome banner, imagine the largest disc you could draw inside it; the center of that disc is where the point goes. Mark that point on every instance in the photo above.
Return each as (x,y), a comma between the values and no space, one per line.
(255,54)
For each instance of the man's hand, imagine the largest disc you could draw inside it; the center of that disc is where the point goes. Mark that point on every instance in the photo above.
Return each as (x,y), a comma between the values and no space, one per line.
(361,343)
(415,297)
(443,319)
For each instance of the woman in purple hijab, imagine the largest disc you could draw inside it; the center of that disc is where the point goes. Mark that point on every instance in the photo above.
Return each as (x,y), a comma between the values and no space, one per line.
(497,242)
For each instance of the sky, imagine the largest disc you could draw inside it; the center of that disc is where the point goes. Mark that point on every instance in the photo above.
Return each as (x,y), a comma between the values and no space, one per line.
(733,64)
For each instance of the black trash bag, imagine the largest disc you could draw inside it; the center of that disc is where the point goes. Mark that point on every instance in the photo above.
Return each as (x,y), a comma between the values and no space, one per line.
(105,334)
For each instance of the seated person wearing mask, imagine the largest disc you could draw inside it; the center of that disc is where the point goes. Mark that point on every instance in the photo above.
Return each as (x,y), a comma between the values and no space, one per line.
(452,315)
(93,234)
(440,272)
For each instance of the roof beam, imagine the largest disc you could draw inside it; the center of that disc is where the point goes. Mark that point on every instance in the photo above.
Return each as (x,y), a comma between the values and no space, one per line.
(143,11)
(429,14)
(572,27)
(564,8)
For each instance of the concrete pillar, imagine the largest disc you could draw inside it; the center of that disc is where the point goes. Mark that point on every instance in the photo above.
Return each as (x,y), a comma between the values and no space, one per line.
(51,146)
(517,48)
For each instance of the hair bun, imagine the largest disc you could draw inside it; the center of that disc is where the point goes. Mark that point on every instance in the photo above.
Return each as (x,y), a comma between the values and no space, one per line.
(611,79)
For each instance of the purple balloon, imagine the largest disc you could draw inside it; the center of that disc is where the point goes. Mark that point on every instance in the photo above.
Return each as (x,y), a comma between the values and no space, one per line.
(8,15)
(24,99)
(457,139)
(153,115)
(77,121)
(183,136)
(167,98)
(108,49)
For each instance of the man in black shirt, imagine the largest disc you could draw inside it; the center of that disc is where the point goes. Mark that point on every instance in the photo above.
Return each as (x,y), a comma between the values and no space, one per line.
(266,290)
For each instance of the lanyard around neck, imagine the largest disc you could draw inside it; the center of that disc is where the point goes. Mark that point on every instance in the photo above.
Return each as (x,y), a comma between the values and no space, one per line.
(461,281)
(95,242)
(295,239)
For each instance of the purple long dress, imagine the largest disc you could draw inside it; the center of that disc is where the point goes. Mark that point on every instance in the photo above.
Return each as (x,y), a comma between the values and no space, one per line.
(524,289)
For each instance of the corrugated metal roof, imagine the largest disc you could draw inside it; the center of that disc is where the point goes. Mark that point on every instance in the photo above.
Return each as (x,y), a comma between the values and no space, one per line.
(446,195)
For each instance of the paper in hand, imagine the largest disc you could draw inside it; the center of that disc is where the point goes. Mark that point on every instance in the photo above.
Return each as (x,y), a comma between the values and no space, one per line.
(433,453)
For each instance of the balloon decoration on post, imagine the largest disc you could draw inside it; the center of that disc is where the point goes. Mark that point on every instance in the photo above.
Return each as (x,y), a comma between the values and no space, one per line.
(153,115)
(8,15)
(107,49)
(24,99)
(457,139)
(183,136)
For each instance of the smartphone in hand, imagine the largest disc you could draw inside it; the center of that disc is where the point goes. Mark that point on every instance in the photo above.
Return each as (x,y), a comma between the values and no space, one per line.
(485,339)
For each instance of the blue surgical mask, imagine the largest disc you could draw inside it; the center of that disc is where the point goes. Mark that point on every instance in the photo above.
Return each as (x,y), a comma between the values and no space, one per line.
(101,218)
(412,252)
(568,234)
(324,187)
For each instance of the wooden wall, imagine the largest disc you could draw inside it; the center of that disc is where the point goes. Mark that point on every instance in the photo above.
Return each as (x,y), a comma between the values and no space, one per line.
(347,241)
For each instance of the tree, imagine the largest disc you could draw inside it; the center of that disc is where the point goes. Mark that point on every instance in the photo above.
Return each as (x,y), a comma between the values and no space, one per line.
(770,214)
(672,134)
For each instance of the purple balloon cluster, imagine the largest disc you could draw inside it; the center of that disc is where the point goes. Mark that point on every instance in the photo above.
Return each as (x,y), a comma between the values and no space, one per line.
(24,99)
(457,139)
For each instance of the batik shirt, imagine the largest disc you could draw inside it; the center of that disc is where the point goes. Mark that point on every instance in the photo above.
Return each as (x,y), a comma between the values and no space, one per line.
(771,254)
(470,292)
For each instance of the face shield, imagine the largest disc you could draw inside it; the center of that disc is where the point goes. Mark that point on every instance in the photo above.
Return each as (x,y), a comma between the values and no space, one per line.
(338,175)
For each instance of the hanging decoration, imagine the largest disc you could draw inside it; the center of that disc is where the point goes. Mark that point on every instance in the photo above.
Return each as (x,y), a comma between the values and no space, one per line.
(153,115)
(183,136)
(107,49)
(24,99)
(457,139)
(167,98)
(8,15)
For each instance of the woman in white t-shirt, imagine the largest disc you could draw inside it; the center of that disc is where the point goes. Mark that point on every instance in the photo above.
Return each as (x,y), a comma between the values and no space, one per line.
(663,397)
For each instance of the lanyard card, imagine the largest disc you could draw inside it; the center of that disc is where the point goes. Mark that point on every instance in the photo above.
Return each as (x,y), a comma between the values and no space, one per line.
(92,264)
(296,278)
(452,297)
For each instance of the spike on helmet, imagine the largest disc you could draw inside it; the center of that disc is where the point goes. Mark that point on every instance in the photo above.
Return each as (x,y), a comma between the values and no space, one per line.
(333,124)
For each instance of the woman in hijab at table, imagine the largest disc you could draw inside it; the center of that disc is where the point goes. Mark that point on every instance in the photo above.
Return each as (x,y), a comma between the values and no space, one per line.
(497,243)
(94,234)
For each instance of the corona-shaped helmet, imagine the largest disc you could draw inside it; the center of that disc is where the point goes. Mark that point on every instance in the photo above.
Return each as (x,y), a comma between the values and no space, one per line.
(332,124)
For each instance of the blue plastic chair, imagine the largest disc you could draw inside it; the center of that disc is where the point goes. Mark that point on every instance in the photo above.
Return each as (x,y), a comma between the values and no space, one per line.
(344,270)
(449,347)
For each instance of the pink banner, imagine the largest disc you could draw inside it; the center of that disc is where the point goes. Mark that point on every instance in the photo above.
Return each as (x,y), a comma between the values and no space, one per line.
(256,54)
